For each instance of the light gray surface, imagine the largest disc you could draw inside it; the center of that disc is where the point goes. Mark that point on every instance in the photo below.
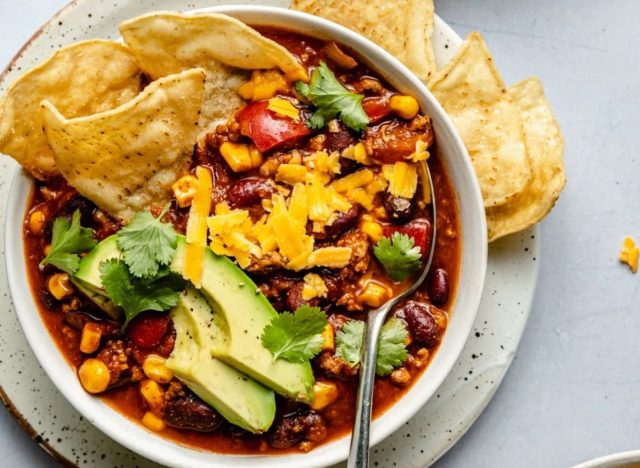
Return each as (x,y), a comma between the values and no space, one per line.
(572,393)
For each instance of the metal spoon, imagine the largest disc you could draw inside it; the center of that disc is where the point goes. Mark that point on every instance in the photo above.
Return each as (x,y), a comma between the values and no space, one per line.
(359,449)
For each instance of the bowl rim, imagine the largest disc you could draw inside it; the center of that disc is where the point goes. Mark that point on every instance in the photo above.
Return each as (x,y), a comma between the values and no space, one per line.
(95,410)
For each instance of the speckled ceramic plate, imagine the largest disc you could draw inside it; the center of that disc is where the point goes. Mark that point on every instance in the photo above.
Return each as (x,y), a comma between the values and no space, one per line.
(61,431)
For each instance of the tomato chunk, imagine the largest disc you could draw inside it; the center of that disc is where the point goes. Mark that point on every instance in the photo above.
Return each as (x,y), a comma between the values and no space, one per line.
(376,108)
(268,130)
(148,329)
(419,229)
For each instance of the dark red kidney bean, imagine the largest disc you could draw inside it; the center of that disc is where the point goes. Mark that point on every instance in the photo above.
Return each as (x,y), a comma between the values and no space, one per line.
(295,300)
(334,286)
(421,324)
(293,428)
(399,209)
(439,287)
(248,191)
(189,412)
(340,140)
(343,222)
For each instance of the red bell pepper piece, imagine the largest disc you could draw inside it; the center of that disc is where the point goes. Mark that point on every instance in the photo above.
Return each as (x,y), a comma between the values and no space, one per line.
(376,108)
(419,229)
(148,329)
(267,129)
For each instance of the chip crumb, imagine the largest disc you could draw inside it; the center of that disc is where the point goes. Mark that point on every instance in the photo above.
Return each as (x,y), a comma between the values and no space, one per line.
(629,253)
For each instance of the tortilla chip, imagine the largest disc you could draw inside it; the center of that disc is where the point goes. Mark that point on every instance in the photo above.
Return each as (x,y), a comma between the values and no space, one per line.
(126,159)
(166,43)
(403,28)
(546,145)
(473,94)
(80,79)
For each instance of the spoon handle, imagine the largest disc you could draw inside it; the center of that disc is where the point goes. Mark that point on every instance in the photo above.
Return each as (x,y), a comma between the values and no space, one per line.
(359,450)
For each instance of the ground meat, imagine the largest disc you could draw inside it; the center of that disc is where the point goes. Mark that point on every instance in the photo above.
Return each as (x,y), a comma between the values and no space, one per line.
(393,140)
(349,300)
(272,287)
(360,257)
(335,366)
(114,356)
(189,412)
(291,429)
(295,300)
(78,319)
(366,83)
(268,263)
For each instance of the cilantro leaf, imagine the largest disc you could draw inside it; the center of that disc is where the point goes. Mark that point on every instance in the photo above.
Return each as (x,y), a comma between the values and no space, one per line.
(296,337)
(137,295)
(147,244)
(392,351)
(398,255)
(68,240)
(332,100)
(349,341)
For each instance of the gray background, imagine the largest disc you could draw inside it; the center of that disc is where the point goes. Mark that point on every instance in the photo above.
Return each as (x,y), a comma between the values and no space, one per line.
(573,391)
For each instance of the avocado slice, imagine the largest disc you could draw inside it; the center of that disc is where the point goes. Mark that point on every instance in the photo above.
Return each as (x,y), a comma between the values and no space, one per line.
(87,277)
(239,399)
(242,312)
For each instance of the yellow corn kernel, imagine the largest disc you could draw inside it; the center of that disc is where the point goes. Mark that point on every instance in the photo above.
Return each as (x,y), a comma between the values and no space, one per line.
(291,173)
(59,285)
(263,85)
(406,107)
(630,253)
(328,338)
(240,157)
(90,340)
(324,393)
(36,221)
(47,250)
(330,257)
(152,394)
(372,229)
(184,190)
(284,108)
(155,369)
(94,375)
(153,422)
(374,295)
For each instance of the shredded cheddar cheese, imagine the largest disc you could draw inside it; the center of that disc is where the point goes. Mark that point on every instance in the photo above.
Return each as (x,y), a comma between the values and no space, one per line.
(197,226)
(331,257)
(284,108)
(403,179)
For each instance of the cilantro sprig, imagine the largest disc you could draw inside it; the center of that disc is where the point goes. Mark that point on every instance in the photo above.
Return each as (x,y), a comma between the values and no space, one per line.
(147,244)
(68,240)
(398,255)
(392,350)
(136,295)
(332,100)
(296,337)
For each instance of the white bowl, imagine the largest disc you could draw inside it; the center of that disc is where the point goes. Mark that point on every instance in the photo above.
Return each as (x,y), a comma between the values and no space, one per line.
(471,281)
